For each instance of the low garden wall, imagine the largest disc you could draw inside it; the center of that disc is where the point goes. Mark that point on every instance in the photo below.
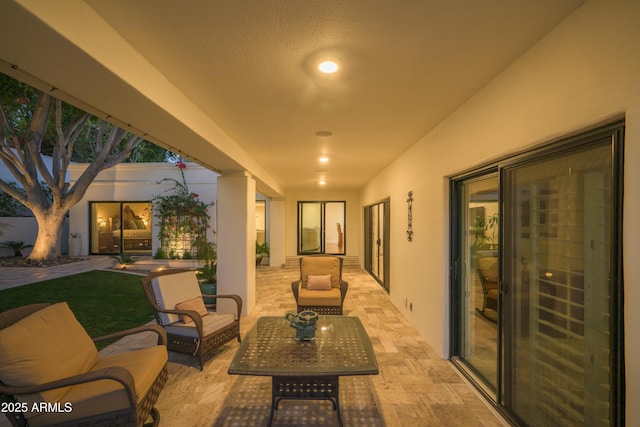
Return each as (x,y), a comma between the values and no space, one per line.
(25,229)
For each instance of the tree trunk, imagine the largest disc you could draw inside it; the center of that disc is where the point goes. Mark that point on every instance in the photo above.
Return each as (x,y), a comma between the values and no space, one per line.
(47,243)
(21,154)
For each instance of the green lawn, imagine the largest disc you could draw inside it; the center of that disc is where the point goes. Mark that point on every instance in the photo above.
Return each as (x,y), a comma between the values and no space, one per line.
(103,301)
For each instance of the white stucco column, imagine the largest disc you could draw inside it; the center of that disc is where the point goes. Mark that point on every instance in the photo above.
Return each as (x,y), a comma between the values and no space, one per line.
(237,239)
(277,230)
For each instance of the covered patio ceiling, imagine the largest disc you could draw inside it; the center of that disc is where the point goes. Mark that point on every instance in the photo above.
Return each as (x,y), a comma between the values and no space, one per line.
(234,85)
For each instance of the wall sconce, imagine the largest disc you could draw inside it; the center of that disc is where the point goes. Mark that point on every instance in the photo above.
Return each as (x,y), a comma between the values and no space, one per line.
(410,216)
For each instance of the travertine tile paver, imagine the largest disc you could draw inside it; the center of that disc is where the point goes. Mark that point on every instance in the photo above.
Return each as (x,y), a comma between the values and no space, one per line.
(11,277)
(415,386)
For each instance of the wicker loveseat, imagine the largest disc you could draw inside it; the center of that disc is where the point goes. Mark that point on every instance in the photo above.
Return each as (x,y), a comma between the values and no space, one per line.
(320,287)
(177,300)
(52,374)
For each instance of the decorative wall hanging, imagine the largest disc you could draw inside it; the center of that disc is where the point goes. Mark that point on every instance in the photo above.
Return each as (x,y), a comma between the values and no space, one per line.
(409,219)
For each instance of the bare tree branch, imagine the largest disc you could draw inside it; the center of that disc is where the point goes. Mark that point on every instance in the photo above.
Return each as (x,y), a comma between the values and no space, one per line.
(100,136)
(23,158)
(9,155)
(12,161)
(32,159)
(4,124)
(108,159)
(121,156)
(13,192)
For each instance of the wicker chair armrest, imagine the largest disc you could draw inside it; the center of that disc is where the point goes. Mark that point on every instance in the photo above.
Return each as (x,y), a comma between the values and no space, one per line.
(236,298)
(344,286)
(195,317)
(162,335)
(115,373)
(295,287)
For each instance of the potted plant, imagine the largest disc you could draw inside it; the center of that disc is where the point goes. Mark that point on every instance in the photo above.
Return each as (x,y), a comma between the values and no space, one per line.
(481,227)
(208,270)
(262,250)
(75,244)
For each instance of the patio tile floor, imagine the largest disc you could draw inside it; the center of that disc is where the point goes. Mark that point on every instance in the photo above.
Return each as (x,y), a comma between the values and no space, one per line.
(415,386)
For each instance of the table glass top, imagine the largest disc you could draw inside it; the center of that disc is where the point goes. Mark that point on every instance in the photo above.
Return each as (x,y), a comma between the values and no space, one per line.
(341,347)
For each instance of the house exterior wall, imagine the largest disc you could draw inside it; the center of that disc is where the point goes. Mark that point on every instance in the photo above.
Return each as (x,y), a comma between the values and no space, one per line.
(138,182)
(583,73)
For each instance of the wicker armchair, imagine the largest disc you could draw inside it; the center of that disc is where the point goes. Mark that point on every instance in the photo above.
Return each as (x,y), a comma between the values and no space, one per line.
(52,374)
(176,298)
(320,287)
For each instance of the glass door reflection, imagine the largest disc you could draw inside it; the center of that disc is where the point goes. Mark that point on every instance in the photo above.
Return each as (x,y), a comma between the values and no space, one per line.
(480,277)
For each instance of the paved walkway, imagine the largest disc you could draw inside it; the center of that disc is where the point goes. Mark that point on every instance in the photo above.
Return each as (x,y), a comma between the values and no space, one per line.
(10,277)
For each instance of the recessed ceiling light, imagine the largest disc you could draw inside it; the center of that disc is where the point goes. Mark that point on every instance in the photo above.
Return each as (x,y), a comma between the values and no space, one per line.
(322,182)
(324,133)
(328,67)
(324,159)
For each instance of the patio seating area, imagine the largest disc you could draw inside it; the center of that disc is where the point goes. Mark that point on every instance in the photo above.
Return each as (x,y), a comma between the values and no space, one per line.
(415,386)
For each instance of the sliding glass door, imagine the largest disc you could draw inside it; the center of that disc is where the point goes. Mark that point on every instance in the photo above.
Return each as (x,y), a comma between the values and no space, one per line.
(559,232)
(478,261)
(321,228)
(537,282)
(377,230)
(120,227)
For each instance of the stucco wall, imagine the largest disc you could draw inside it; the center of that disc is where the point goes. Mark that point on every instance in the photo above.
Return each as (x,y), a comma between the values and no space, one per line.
(138,181)
(583,73)
(18,229)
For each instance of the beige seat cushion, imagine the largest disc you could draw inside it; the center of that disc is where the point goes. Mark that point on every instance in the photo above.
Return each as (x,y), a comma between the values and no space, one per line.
(172,289)
(332,298)
(318,266)
(211,323)
(105,395)
(47,345)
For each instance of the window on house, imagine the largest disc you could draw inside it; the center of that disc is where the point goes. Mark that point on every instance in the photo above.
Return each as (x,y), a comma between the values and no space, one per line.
(120,227)
(537,282)
(321,228)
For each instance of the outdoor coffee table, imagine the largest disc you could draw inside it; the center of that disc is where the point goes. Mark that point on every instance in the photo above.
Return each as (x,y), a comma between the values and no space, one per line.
(305,369)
